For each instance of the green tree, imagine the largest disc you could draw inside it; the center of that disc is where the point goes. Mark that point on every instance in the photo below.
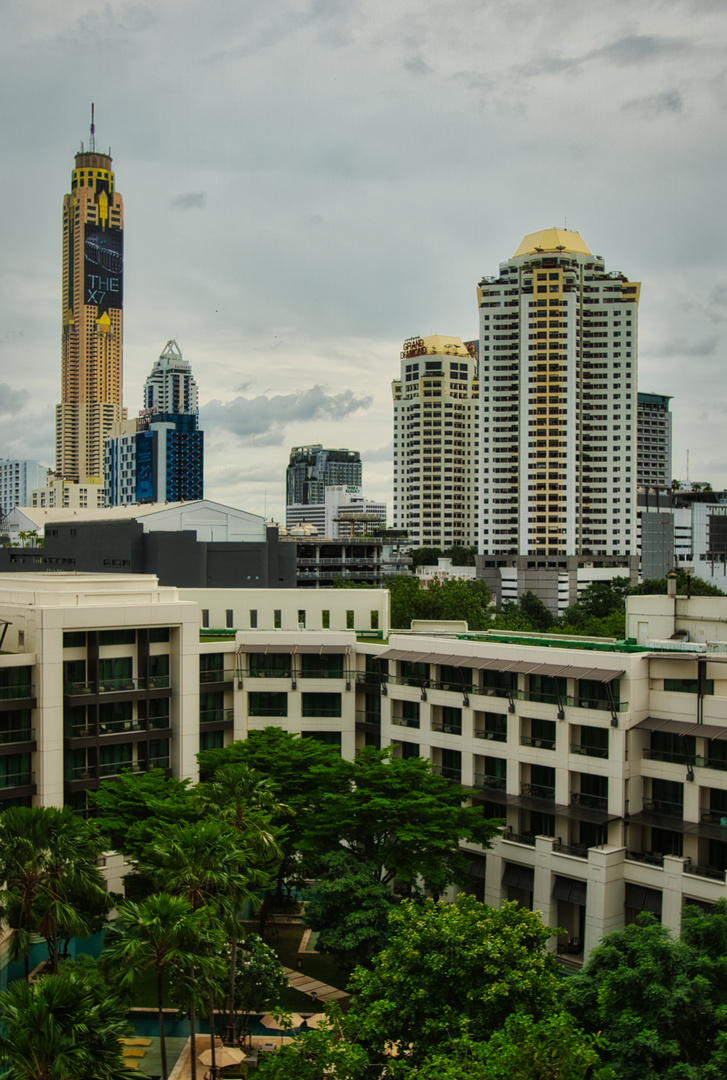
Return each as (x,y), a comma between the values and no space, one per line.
(321,1053)
(350,908)
(60,1028)
(553,1048)
(49,863)
(134,808)
(300,771)
(400,819)
(161,935)
(450,970)
(659,1002)
(261,980)
(534,610)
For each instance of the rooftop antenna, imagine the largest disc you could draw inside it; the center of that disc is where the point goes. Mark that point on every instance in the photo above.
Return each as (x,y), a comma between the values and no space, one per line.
(687,480)
(92,143)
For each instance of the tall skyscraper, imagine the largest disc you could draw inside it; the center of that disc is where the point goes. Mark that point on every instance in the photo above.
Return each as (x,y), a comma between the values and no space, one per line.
(92,335)
(558,378)
(435,442)
(17,481)
(558,375)
(654,433)
(311,469)
(160,456)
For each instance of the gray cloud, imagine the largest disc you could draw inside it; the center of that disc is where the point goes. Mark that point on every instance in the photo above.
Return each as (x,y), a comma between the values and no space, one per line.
(417,65)
(640,49)
(381,453)
(262,420)
(669,101)
(680,346)
(189,200)
(12,400)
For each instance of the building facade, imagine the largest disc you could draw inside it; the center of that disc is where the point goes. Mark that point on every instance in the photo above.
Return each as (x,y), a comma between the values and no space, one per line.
(17,481)
(92,317)
(160,457)
(436,434)
(311,469)
(558,376)
(653,458)
(607,761)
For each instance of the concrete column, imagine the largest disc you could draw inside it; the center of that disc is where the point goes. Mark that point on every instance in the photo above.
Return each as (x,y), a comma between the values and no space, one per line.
(605,896)
(672,895)
(543,885)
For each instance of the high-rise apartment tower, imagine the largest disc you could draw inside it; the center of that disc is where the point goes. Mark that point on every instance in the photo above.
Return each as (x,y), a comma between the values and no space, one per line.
(92,336)
(654,432)
(435,442)
(558,377)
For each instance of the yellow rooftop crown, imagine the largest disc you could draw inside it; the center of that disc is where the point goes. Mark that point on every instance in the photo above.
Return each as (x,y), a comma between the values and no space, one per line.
(552,240)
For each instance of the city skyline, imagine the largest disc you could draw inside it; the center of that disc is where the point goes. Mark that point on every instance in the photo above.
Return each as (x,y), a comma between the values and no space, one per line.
(317,189)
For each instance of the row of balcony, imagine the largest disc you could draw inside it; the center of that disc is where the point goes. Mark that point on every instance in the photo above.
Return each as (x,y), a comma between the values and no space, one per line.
(115,686)
(115,727)
(114,768)
(17,693)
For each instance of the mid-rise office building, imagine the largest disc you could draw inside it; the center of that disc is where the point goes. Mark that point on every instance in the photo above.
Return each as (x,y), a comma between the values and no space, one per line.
(653,458)
(311,469)
(92,317)
(18,478)
(558,423)
(436,442)
(159,457)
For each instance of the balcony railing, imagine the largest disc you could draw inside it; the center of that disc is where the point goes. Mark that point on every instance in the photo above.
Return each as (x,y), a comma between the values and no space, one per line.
(710,872)
(17,735)
(448,772)
(540,744)
(108,686)
(448,729)
(226,675)
(590,751)
(661,806)
(268,673)
(677,757)
(519,838)
(579,851)
(17,779)
(368,718)
(403,721)
(716,817)
(538,791)
(592,802)
(215,716)
(266,710)
(494,736)
(324,673)
(115,768)
(17,693)
(651,858)
(486,780)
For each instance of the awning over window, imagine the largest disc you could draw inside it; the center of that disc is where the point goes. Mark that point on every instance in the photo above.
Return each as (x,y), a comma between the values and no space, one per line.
(643,899)
(518,877)
(321,650)
(518,667)
(312,650)
(569,890)
(266,650)
(683,727)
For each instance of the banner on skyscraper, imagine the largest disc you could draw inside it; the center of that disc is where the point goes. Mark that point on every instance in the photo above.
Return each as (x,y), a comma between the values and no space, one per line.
(103,267)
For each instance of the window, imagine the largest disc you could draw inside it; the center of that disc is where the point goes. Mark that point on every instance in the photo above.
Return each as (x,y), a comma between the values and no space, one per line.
(74,639)
(260,703)
(115,673)
(321,667)
(374,620)
(253,619)
(228,618)
(277,618)
(159,633)
(451,720)
(349,620)
(325,619)
(329,738)
(323,705)
(270,665)
(205,618)
(117,637)
(688,686)
(301,619)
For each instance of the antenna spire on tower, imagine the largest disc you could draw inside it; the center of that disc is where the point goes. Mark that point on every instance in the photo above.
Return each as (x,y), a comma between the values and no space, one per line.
(92,144)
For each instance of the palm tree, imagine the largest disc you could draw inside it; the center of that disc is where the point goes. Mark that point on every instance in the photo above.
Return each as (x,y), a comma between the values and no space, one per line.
(249,802)
(162,935)
(48,861)
(206,863)
(58,1028)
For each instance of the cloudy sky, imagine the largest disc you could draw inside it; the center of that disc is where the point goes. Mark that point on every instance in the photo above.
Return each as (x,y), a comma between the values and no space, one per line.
(309,182)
